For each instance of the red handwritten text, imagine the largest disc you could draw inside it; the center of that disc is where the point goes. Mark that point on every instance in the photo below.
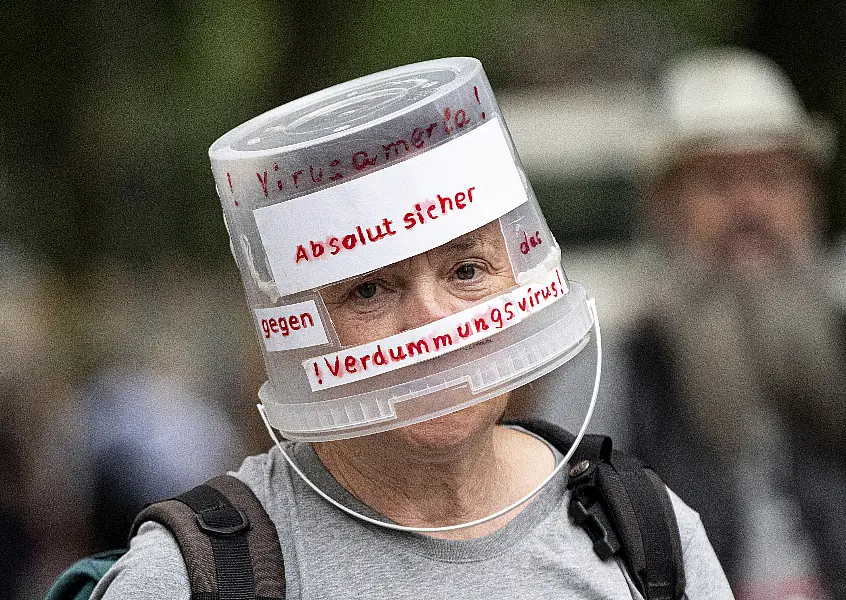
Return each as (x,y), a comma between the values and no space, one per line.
(424,212)
(452,119)
(500,314)
(335,244)
(530,242)
(285,325)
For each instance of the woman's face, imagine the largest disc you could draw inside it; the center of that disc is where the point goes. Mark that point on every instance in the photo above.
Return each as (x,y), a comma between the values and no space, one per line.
(421,289)
(415,292)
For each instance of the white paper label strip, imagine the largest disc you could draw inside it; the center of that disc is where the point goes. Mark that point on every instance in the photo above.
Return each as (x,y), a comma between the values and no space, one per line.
(445,335)
(391,214)
(291,326)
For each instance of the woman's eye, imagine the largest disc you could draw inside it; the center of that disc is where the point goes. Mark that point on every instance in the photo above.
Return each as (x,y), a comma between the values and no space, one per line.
(365,291)
(465,272)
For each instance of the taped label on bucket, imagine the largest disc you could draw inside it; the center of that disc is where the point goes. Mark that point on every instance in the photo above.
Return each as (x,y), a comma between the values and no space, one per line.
(391,214)
(444,335)
(291,326)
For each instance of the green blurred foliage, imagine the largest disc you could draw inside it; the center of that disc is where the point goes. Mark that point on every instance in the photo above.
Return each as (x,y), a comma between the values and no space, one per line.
(109,107)
(391,34)
(580,211)
(705,21)
(116,109)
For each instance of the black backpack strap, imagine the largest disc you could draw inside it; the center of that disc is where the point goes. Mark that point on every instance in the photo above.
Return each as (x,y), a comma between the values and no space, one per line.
(636,502)
(625,508)
(230,545)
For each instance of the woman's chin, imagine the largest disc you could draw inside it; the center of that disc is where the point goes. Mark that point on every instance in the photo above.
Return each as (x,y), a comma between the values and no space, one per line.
(452,431)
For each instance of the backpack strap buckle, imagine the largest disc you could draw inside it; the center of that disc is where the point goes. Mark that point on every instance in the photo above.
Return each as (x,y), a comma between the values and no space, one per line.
(222,520)
(594,521)
(587,511)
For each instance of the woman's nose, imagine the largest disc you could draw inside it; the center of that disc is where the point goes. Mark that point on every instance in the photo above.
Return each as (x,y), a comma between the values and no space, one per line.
(425,302)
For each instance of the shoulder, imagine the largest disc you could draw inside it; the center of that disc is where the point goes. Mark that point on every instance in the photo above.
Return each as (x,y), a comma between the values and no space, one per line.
(271,479)
(688,519)
(259,471)
(154,568)
(703,574)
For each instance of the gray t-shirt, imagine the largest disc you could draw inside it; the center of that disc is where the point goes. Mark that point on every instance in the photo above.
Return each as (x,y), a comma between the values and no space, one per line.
(540,554)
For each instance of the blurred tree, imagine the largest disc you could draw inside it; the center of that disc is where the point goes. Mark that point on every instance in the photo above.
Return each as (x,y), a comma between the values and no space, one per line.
(808,39)
(109,111)
(109,107)
(164,81)
(705,22)
(381,35)
(42,61)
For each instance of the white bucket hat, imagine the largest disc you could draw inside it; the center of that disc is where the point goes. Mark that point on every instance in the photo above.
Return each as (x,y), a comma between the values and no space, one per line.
(734,100)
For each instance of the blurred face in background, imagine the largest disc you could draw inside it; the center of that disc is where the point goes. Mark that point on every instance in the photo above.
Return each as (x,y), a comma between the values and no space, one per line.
(748,213)
(750,322)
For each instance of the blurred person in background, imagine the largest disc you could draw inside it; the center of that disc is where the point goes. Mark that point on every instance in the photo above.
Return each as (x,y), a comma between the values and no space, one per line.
(17,541)
(141,429)
(31,389)
(736,370)
(163,355)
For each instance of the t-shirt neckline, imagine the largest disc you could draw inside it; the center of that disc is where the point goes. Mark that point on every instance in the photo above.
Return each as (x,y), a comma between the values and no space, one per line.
(506,538)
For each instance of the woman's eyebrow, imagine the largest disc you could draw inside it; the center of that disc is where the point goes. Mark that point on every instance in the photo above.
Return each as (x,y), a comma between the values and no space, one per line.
(467,242)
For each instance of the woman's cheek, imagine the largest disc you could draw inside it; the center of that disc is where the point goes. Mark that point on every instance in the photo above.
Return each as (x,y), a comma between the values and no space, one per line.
(359,328)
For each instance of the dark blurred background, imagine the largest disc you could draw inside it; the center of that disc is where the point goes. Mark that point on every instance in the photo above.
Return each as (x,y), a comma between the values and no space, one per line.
(120,307)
